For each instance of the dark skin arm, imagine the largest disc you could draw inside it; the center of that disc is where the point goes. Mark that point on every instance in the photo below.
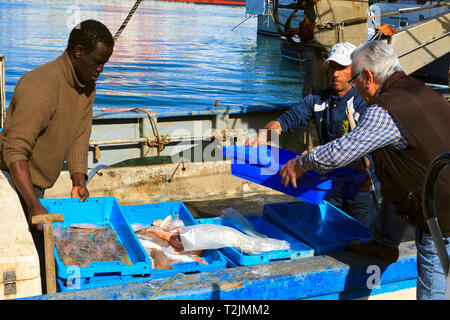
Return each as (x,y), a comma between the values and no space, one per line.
(20,173)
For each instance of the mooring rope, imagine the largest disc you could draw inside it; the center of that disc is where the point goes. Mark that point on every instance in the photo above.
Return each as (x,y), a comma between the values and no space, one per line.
(161,141)
(125,22)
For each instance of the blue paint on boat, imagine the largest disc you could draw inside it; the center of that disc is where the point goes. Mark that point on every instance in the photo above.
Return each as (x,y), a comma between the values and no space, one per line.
(342,275)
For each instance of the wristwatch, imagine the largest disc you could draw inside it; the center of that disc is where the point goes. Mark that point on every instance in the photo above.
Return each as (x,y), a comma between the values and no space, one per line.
(300,163)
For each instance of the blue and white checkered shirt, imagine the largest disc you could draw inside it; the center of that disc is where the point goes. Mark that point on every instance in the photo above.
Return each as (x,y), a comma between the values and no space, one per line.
(375,130)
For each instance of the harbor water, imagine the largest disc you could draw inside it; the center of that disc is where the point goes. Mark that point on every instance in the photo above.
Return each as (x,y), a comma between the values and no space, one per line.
(171,54)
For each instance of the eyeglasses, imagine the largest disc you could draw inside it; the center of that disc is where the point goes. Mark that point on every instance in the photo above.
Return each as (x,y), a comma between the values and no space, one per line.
(352,80)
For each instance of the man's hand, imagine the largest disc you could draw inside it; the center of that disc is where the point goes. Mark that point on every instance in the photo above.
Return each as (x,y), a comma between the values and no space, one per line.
(36,210)
(265,135)
(79,189)
(258,140)
(80,192)
(290,172)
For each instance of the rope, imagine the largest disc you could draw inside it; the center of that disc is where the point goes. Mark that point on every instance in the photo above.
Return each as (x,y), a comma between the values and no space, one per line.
(125,22)
(165,285)
(160,141)
(252,15)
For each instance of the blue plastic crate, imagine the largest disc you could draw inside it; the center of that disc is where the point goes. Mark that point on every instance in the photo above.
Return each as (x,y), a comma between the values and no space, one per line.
(324,227)
(147,213)
(266,155)
(298,249)
(262,164)
(99,211)
(310,187)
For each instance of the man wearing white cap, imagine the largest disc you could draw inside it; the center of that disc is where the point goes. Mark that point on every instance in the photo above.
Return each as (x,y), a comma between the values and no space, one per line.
(327,107)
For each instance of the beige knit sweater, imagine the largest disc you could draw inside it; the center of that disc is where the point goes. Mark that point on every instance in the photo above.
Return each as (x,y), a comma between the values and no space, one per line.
(49,120)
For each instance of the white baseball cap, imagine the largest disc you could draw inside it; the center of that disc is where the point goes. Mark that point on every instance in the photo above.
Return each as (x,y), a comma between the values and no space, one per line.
(341,52)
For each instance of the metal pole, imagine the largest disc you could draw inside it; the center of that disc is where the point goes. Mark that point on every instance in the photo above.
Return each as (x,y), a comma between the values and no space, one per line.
(352,21)
(423,44)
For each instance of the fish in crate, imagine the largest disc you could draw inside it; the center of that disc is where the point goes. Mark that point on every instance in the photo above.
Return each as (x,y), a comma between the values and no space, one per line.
(163,245)
(81,244)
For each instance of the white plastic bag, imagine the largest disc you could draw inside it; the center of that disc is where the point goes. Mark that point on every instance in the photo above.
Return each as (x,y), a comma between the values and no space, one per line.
(211,236)
(234,219)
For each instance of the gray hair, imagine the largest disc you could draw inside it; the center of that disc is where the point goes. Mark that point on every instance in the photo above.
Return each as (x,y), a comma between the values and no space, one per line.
(377,56)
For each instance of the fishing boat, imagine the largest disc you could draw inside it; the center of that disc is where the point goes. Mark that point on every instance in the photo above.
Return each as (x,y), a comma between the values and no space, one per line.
(266,25)
(149,157)
(208,188)
(400,14)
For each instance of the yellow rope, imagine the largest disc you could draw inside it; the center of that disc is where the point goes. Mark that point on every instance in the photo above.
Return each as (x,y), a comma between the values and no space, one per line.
(165,285)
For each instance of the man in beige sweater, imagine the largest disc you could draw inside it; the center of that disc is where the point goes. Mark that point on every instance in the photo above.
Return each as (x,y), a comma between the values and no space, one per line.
(49,118)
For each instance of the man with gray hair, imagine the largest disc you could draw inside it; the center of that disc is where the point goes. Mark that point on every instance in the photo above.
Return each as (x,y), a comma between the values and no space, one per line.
(328,108)
(405,128)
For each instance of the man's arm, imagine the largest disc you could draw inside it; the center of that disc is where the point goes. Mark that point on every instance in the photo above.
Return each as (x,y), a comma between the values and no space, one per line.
(299,115)
(377,129)
(31,108)
(290,120)
(20,173)
(77,158)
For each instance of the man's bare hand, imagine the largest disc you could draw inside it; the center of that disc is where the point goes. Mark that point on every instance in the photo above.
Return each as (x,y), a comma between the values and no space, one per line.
(270,129)
(79,189)
(290,172)
(80,192)
(36,210)
(258,140)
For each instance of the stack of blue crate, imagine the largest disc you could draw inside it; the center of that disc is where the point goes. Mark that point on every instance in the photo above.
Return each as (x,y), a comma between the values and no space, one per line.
(98,211)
